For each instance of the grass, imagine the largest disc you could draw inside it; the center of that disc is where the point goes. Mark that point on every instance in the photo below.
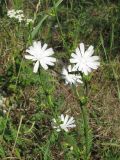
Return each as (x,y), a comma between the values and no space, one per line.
(32,100)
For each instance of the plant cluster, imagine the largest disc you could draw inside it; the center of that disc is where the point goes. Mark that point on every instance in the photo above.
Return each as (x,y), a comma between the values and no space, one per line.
(47,82)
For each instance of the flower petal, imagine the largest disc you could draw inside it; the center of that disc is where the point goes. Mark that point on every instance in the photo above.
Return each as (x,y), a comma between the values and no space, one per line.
(64,72)
(36,66)
(69,68)
(71,126)
(66,119)
(43,65)
(85,70)
(82,49)
(48,52)
(30,57)
(44,47)
(72,60)
(71,120)
(89,52)
(78,52)
(62,117)
(52,59)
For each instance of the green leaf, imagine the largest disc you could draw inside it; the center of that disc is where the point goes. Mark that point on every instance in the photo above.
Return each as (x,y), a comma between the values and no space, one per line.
(58,3)
(69,139)
(2,152)
(17,153)
(37,28)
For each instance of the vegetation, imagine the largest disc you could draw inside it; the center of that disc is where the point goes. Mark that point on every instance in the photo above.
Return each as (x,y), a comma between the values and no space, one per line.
(29,101)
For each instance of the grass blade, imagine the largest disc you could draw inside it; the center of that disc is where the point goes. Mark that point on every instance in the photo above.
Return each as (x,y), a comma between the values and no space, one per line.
(36,30)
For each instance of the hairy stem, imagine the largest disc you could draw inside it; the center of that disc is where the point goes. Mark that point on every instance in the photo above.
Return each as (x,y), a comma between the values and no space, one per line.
(86,130)
(48,96)
(84,111)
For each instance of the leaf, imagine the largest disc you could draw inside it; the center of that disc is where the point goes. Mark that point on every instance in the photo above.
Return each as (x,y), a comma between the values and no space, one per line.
(2,152)
(37,28)
(17,153)
(72,142)
(35,31)
(58,3)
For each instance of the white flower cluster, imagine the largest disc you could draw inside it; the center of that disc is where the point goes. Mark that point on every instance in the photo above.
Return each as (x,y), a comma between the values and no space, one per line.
(29,20)
(19,15)
(2,101)
(2,104)
(64,123)
(83,61)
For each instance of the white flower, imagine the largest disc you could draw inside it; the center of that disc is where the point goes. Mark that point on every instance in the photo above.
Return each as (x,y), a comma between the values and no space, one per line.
(2,101)
(69,77)
(41,55)
(17,14)
(3,104)
(67,123)
(19,11)
(11,13)
(83,60)
(19,17)
(28,21)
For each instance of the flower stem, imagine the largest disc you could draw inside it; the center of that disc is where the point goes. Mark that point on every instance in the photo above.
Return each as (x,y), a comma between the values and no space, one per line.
(48,96)
(86,130)
(83,102)
(17,133)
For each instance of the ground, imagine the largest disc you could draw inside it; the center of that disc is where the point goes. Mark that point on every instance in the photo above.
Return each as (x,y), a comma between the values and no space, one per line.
(29,102)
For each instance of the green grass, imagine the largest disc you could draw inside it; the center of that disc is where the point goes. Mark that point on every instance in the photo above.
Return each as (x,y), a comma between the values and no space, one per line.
(33,100)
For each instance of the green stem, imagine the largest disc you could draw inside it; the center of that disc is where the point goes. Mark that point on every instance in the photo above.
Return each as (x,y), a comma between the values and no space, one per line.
(17,133)
(83,107)
(42,83)
(48,96)
(85,121)
(8,113)
(60,28)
